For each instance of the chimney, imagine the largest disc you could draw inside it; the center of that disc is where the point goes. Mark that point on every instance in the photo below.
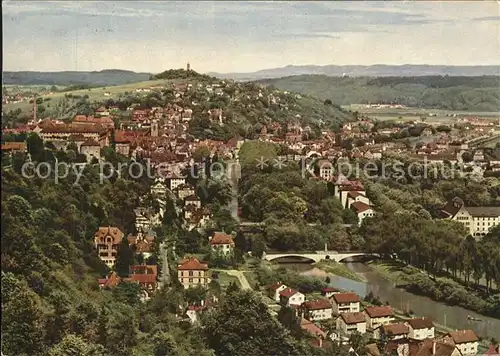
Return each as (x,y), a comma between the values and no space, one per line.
(320,341)
(433,347)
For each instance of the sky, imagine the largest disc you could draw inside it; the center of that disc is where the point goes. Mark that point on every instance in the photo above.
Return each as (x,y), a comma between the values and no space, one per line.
(233,37)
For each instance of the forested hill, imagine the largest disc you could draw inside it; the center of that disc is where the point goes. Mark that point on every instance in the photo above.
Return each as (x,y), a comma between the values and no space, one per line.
(439,92)
(101,78)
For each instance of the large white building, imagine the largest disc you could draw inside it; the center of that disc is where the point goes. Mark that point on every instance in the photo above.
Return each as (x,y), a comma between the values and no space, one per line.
(477,220)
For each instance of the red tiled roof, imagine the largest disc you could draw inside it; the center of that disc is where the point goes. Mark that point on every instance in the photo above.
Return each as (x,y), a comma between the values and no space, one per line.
(311,328)
(395,329)
(192,264)
(360,206)
(111,281)
(317,304)
(287,293)
(220,238)
(463,336)
(421,323)
(273,287)
(378,312)
(329,290)
(104,231)
(346,298)
(353,318)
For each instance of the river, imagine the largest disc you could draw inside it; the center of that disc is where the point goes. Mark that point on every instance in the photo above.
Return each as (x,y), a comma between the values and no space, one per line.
(449,316)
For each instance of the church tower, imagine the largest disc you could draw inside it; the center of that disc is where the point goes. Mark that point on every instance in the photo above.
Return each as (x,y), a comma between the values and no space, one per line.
(188,67)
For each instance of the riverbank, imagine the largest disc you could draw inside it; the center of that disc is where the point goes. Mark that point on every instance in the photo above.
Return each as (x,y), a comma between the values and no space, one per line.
(438,289)
(338,269)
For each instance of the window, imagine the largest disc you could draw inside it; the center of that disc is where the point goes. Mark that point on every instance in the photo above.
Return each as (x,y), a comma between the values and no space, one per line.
(190,280)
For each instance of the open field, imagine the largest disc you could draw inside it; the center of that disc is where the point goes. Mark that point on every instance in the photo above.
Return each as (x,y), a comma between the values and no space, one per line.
(95,94)
(433,116)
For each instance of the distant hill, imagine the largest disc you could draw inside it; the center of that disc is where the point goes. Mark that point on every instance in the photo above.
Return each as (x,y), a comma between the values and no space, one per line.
(438,92)
(101,78)
(378,70)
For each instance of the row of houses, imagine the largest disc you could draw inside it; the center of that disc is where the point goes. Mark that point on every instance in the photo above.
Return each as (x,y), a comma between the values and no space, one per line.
(380,322)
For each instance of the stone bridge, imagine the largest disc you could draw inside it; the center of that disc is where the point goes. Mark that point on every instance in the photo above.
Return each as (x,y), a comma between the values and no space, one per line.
(321,255)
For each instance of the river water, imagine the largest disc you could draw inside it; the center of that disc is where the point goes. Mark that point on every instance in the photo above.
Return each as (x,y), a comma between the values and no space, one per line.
(450,316)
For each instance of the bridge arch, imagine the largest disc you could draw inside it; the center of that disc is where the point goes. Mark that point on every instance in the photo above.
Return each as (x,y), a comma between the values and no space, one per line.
(345,257)
(298,256)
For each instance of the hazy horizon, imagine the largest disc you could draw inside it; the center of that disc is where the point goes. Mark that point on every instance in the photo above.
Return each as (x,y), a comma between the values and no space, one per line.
(227,37)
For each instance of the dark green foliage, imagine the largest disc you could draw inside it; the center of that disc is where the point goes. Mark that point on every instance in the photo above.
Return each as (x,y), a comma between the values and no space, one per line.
(243,326)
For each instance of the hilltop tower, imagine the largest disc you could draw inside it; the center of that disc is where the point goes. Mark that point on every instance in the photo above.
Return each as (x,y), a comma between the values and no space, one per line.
(188,67)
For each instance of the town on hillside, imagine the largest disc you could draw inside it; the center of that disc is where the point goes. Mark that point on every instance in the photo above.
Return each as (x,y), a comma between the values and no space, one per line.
(198,234)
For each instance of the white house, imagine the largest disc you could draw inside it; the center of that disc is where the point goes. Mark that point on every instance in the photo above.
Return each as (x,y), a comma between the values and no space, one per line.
(158,188)
(354,196)
(222,242)
(329,291)
(421,328)
(362,210)
(291,297)
(174,180)
(347,323)
(477,220)
(275,289)
(465,340)
(345,303)
(377,316)
(320,309)
(325,169)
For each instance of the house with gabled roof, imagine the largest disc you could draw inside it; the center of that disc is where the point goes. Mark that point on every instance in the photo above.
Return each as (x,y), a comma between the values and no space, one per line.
(106,241)
(320,309)
(392,331)
(192,273)
(378,315)
(290,297)
(221,242)
(348,323)
(466,341)
(345,303)
(421,328)
(275,289)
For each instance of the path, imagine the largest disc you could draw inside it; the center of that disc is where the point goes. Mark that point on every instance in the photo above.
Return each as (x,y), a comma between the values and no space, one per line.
(238,274)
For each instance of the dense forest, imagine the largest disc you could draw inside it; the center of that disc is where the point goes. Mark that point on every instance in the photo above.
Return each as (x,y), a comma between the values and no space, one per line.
(437,92)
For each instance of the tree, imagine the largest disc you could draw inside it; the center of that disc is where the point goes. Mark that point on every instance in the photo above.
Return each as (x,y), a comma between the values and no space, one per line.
(35,147)
(73,345)
(201,152)
(242,325)
(124,258)
(22,319)
(128,293)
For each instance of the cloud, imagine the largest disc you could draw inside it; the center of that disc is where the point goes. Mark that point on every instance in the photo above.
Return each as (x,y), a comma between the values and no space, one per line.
(308,35)
(487,18)
(227,36)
